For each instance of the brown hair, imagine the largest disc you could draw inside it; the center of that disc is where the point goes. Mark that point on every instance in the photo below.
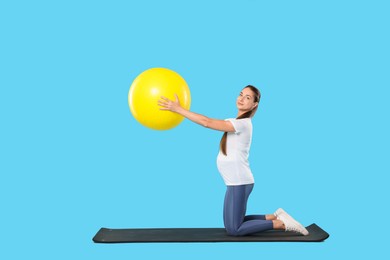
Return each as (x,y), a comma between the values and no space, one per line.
(247,114)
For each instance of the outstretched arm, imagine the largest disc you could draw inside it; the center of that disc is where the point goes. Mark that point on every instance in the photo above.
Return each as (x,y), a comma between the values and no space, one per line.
(174,106)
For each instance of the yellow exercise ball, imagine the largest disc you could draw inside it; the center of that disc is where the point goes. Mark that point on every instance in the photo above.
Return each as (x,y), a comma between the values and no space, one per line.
(146,90)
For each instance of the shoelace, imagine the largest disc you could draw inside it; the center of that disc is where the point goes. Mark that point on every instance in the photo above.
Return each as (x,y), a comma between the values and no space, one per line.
(293,228)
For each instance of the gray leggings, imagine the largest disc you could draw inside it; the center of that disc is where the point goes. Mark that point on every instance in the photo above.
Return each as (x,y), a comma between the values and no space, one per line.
(236,223)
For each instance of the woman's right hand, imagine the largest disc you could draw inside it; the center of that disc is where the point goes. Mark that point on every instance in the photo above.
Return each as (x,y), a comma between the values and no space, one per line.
(167,104)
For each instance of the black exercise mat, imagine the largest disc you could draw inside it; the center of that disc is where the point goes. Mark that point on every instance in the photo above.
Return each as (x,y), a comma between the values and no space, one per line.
(156,235)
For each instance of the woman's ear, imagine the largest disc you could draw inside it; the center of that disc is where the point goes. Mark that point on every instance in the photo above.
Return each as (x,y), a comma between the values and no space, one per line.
(255,105)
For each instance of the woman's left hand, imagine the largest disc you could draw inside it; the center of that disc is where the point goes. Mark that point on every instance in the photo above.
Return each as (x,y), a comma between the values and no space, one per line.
(167,104)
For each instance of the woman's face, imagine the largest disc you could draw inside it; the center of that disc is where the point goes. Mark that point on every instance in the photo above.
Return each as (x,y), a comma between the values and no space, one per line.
(246,100)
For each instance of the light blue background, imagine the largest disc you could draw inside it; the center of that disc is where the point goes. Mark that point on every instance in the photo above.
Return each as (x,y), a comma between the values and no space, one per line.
(73,159)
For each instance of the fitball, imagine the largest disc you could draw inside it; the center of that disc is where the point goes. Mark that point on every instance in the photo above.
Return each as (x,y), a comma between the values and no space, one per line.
(146,90)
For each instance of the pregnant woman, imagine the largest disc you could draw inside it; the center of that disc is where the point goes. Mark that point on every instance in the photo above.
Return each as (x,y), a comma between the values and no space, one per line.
(233,165)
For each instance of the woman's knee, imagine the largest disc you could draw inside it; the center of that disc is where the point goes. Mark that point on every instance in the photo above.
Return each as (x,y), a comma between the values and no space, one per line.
(232,232)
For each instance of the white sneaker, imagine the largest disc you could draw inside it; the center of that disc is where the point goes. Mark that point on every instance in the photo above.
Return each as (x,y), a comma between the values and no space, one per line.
(290,223)
(279,212)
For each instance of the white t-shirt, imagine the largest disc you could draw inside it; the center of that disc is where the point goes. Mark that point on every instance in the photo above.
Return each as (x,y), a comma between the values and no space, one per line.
(234,167)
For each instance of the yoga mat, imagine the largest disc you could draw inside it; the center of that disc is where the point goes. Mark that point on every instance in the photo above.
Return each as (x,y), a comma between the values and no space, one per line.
(182,235)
